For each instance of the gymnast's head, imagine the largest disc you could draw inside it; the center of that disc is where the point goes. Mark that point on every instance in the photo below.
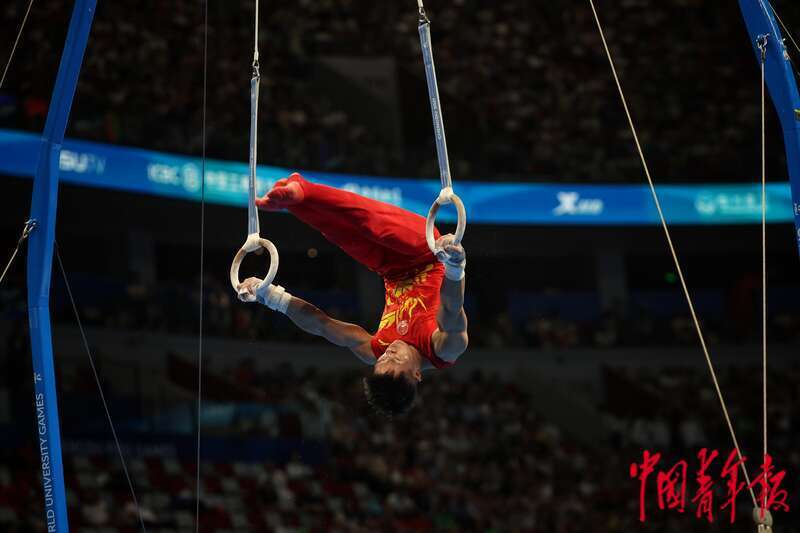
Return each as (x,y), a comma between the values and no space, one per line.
(392,387)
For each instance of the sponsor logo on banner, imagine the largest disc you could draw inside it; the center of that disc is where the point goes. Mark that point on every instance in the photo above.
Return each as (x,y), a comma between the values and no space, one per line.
(191,177)
(227,182)
(81,163)
(163,174)
(186,176)
(725,204)
(571,203)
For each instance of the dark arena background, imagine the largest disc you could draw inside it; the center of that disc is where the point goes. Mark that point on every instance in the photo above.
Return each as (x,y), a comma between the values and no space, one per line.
(182,409)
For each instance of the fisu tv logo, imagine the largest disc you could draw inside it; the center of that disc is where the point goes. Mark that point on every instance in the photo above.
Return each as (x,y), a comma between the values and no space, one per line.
(571,203)
(81,163)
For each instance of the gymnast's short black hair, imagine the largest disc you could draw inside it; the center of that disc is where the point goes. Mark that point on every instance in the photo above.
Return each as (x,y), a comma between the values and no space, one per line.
(390,395)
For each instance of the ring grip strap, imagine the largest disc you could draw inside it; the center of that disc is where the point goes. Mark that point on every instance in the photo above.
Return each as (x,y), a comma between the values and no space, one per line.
(248,248)
(252,212)
(446,196)
(436,106)
(254,240)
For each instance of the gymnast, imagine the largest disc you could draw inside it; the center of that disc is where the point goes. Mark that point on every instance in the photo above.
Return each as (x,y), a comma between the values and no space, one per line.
(423,325)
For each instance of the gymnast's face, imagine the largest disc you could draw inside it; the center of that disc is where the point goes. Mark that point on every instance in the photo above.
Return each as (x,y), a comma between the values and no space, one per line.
(400,359)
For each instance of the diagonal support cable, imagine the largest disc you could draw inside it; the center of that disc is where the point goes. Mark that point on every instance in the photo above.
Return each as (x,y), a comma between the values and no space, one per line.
(30,225)
(785,29)
(790,36)
(16,42)
(674,253)
(99,386)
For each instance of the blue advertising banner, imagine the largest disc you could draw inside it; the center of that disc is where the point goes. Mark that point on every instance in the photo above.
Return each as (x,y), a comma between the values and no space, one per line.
(144,171)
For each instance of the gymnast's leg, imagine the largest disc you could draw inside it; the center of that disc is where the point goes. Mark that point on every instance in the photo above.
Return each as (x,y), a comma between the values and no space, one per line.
(383,237)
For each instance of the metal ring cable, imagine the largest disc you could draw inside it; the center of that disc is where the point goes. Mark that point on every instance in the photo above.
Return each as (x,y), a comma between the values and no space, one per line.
(202,268)
(762,45)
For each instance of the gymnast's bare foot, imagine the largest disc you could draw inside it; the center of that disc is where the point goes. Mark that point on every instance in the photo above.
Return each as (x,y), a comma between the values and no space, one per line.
(284,194)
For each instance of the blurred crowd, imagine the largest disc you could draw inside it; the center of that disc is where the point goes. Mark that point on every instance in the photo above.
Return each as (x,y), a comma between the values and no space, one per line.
(531,76)
(475,455)
(646,408)
(173,307)
(141,85)
(675,411)
(163,308)
(615,329)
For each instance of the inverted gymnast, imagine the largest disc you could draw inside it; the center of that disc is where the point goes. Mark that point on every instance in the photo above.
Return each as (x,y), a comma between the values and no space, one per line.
(423,325)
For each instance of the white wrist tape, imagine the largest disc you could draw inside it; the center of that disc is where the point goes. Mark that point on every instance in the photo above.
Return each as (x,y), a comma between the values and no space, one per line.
(275,297)
(455,271)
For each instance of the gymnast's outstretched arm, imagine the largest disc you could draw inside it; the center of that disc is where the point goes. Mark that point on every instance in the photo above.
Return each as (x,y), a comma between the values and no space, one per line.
(451,339)
(311,319)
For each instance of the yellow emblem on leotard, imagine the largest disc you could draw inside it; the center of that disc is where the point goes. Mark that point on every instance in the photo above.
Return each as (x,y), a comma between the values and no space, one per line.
(401,302)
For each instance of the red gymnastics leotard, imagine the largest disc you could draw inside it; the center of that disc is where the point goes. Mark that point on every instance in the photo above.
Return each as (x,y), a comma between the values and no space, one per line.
(390,241)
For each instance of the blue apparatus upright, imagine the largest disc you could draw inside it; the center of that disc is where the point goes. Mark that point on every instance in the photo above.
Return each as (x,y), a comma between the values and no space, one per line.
(40,263)
(782,84)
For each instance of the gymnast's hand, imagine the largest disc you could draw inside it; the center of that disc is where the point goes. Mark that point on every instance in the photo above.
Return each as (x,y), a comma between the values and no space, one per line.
(273,296)
(248,289)
(450,252)
(453,257)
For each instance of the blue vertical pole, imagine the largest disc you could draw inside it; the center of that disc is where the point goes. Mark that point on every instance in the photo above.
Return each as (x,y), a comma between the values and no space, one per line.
(782,85)
(40,262)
